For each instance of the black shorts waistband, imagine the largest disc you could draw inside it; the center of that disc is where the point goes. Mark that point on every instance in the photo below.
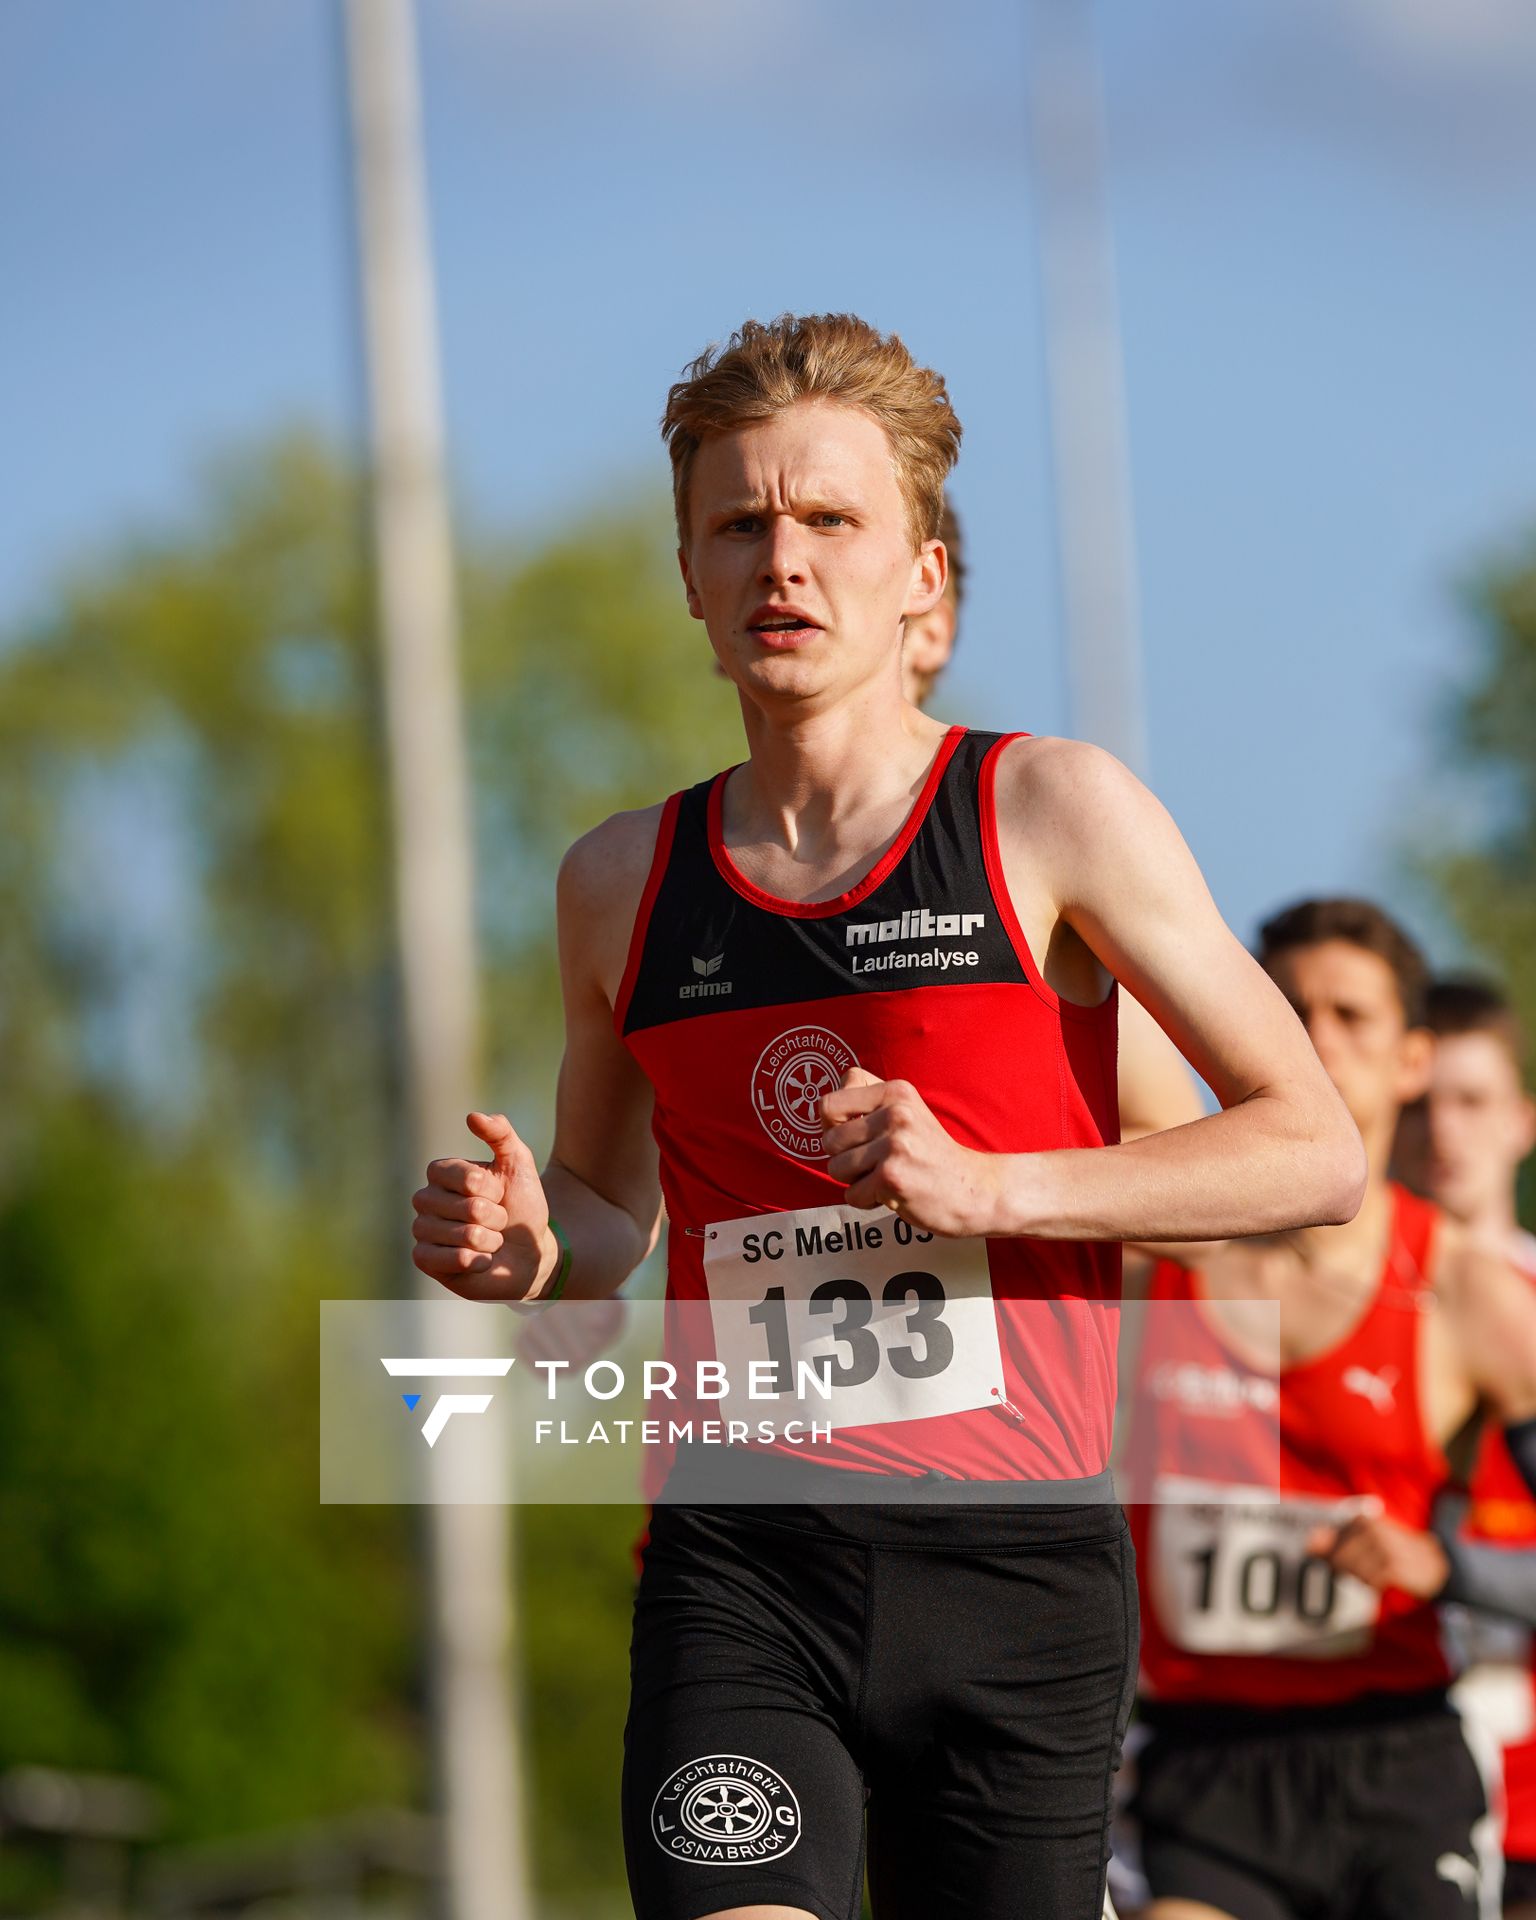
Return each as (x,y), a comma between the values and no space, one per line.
(918,1510)
(1194,1721)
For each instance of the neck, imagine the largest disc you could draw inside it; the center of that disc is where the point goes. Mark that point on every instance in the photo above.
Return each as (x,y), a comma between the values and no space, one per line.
(1493,1224)
(1357,1245)
(811,775)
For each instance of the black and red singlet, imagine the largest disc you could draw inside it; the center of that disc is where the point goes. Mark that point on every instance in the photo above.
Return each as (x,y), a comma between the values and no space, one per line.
(743,1010)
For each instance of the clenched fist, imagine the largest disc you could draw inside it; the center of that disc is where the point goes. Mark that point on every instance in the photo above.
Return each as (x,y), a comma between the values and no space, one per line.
(482,1227)
(888,1149)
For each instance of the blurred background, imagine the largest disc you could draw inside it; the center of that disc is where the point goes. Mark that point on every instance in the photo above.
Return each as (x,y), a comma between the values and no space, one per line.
(1233,301)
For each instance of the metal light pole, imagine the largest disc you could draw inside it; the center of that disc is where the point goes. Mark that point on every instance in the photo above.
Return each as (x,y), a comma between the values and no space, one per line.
(1085,379)
(469,1612)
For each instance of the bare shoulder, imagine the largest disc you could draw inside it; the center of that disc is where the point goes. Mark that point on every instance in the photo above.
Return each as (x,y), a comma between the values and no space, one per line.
(1476,1287)
(1068,787)
(601,882)
(1044,766)
(1492,1313)
(616,853)
(1076,823)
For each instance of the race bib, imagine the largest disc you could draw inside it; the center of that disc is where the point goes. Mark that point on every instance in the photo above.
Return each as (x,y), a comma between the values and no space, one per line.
(1231,1573)
(851,1318)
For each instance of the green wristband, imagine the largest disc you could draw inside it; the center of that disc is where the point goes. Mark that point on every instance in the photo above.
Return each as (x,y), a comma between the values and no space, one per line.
(563,1271)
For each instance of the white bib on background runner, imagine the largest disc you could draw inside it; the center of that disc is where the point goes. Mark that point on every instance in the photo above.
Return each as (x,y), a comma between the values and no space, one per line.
(899,1321)
(1231,1572)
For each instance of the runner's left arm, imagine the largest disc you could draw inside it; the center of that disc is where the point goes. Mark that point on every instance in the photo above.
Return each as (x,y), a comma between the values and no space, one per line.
(1283,1151)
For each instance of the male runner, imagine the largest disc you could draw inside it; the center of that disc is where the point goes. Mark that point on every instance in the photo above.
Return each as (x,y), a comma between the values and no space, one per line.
(1303,1759)
(1473,1128)
(938,918)
(1155,1089)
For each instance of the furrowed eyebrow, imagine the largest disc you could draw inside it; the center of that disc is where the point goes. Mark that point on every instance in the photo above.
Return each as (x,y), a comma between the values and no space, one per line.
(740,508)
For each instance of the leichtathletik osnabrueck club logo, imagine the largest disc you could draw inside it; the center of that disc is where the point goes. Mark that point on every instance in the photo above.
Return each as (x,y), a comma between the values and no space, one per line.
(792,1075)
(725,1810)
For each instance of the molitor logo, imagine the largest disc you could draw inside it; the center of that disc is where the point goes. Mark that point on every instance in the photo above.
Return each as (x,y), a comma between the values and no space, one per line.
(792,1075)
(725,1810)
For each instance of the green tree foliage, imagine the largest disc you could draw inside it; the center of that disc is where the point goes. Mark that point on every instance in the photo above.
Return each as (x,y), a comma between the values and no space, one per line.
(1489,887)
(195,995)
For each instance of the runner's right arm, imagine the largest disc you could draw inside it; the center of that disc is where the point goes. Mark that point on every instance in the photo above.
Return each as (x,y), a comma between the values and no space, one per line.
(482,1228)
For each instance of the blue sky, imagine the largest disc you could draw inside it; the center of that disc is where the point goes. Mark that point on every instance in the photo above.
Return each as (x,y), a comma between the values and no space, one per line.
(1324,225)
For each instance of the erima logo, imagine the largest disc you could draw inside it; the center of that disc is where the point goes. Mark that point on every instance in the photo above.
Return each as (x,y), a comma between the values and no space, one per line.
(706,987)
(916,924)
(446,1405)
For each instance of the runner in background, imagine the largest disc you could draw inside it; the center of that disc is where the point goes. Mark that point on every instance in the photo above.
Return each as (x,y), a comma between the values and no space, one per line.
(1303,1759)
(1463,1144)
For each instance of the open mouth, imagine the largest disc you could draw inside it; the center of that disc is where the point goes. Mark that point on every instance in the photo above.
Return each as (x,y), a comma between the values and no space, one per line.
(782,628)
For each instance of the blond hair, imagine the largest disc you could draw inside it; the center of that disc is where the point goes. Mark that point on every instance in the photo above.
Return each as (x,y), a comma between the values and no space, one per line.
(819,356)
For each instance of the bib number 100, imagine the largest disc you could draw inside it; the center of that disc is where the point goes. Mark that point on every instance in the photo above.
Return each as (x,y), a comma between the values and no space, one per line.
(850,1306)
(1237,1578)
(1263,1584)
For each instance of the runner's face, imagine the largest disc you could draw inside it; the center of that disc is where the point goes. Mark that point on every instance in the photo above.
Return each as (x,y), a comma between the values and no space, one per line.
(1347,1000)
(1479,1124)
(799,558)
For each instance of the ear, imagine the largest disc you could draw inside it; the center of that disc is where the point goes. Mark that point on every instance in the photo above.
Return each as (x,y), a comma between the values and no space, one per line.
(695,604)
(1416,1062)
(930,575)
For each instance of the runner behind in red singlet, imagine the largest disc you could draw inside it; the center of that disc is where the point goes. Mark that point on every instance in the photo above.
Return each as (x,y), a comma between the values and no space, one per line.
(1303,1759)
(936,920)
(1465,1141)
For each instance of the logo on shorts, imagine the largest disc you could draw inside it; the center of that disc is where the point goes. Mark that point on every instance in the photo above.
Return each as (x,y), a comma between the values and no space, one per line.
(789,1082)
(1461,1872)
(725,1810)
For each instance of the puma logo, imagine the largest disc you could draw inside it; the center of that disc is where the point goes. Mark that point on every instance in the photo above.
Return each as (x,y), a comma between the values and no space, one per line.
(1379,1388)
(1461,1872)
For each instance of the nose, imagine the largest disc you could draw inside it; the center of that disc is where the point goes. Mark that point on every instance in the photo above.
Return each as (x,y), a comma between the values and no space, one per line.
(783,561)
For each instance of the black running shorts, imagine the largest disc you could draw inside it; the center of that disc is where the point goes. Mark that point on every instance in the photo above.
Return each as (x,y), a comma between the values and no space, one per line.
(966,1671)
(1374,1811)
